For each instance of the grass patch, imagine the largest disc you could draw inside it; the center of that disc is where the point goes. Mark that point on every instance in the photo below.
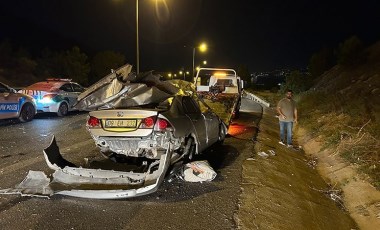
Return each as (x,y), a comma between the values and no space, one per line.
(347,126)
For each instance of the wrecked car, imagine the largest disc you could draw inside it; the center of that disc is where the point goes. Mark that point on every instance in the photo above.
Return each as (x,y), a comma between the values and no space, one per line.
(177,123)
(150,117)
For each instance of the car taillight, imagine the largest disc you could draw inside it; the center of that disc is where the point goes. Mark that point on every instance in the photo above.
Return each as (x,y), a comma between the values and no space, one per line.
(48,97)
(93,122)
(148,122)
(162,125)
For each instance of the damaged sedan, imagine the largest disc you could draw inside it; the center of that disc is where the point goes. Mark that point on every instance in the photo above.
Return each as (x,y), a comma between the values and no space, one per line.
(150,117)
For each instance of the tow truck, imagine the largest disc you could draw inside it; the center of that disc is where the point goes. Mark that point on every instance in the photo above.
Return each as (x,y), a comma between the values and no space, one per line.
(221,89)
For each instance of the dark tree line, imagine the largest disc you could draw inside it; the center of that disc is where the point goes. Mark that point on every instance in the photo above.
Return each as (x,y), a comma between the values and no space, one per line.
(349,53)
(18,67)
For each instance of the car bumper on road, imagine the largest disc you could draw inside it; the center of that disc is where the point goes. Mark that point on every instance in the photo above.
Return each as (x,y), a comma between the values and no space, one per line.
(129,184)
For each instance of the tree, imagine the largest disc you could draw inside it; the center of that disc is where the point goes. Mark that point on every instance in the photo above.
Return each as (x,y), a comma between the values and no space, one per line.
(5,51)
(244,74)
(296,81)
(75,65)
(45,64)
(66,64)
(103,62)
(321,61)
(351,52)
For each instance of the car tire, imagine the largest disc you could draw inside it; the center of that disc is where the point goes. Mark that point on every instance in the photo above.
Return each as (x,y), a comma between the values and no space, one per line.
(190,148)
(236,114)
(27,113)
(63,109)
(222,134)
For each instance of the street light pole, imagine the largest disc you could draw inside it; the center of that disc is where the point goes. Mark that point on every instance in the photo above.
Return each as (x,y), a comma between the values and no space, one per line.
(137,38)
(193,61)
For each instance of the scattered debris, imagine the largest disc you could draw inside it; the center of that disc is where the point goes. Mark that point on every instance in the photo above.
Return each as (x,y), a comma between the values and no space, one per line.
(272,152)
(312,163)
(196,171)
(333,194)
(262,154)
(71,180)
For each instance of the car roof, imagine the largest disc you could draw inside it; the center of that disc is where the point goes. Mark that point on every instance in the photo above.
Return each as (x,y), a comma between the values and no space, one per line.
(49,85)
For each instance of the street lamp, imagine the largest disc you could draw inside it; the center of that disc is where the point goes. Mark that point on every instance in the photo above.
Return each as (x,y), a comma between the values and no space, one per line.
(204,62)
(137,38)
(182,73)
(202,47)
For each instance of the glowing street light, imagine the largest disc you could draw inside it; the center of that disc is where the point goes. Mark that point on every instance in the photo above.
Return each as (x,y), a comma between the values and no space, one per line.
(202,47)
(204,62)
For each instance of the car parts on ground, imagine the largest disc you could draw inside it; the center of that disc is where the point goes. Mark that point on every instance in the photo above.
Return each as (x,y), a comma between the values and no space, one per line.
(71,180)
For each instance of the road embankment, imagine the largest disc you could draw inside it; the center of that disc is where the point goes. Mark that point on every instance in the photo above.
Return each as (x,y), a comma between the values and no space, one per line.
(282,190)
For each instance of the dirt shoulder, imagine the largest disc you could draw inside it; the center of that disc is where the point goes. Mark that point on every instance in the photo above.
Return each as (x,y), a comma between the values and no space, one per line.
(360,198)
(281,190)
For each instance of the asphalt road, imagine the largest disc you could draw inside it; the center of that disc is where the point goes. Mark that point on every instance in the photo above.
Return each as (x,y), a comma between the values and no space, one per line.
(177,204)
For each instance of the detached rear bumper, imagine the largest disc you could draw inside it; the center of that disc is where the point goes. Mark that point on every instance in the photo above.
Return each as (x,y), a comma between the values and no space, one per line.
(68,179)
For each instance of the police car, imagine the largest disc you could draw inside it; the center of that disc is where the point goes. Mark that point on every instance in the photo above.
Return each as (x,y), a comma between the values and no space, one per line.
(55,95)
(16,105)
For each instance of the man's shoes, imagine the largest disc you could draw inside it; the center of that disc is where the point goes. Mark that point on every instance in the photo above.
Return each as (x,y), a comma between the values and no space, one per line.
(289,146)
(281,143)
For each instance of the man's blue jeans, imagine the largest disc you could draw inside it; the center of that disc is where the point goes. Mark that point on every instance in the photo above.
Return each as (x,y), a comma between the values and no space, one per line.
(288,125)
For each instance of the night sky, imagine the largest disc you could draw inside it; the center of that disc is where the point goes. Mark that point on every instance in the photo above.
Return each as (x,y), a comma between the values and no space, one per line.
(263,35)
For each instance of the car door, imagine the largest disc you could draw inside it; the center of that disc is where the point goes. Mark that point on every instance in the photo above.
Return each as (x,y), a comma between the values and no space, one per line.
(9,105)
(69,94)
(193,112)
(212,124)
(77,89)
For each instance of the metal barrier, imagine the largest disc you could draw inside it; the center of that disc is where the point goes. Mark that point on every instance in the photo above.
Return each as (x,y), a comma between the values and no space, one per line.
(255,98)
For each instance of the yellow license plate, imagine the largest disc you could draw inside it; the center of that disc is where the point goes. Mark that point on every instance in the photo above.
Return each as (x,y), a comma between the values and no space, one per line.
(121,123)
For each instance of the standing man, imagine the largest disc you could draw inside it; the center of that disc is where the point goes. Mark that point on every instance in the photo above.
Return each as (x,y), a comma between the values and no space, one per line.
(287,110)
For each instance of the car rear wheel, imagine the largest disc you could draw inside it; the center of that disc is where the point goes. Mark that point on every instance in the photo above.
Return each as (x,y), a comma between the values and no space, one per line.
(27,113)
(222,134)
(63,109)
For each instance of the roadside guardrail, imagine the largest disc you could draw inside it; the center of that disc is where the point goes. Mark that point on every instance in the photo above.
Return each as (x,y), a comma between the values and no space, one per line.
(255,98)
